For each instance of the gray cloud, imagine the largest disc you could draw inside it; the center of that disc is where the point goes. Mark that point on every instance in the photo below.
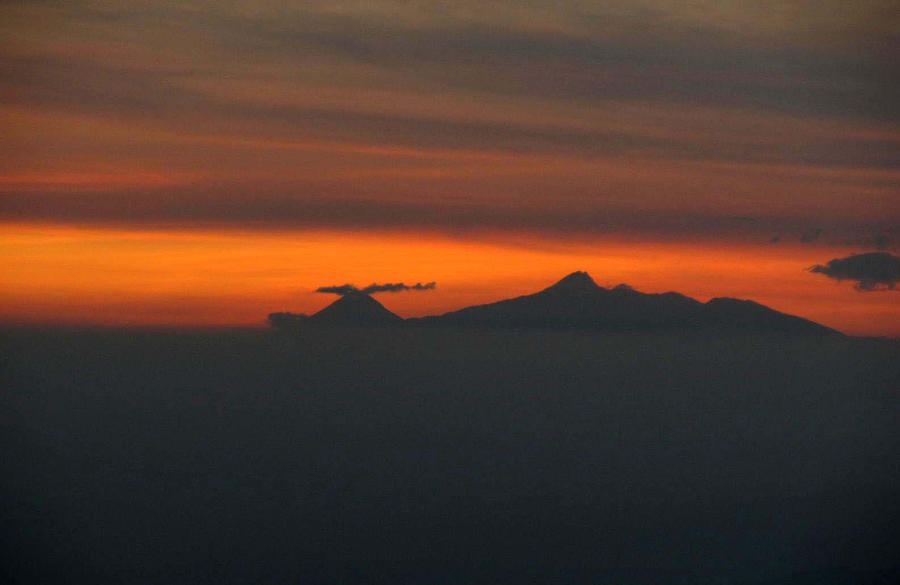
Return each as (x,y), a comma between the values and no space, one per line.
(158,96)
(872,271)
(170,75)
(341,289)
(346,289)
(810,235)
(397,287)
(464,55)
(301,205)
(882,241)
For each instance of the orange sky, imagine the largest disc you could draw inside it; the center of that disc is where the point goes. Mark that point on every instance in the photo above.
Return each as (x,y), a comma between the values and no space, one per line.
(209,162)
(81,275)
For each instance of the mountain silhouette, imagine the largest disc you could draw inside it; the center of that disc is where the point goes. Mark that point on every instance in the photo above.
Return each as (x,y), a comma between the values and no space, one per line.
(354,309)
(578,283)
(740,314)
(577,301)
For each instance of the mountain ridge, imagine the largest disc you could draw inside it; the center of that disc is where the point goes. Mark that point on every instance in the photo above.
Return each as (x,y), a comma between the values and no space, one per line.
(575,302)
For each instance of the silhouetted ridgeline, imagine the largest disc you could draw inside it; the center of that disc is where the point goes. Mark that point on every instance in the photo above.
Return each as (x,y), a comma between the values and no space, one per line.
(577,301)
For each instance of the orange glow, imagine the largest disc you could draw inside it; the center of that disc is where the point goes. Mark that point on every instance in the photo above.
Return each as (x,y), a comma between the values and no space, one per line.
(56,274)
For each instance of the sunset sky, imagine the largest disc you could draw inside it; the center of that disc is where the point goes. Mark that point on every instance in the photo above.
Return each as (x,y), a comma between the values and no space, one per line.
(209,162)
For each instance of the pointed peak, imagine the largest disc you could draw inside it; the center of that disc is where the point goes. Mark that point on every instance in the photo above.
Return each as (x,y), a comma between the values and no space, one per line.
(356,297)
(576,282)
(355,308)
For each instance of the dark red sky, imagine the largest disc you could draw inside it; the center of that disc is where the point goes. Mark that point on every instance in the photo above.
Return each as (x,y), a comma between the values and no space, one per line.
(312,136)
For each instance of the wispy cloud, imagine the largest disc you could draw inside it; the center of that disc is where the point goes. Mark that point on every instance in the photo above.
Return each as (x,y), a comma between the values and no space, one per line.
(346,289)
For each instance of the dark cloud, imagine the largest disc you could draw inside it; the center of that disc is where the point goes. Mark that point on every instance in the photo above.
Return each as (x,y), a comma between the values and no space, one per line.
(502,61)
(488,73)
(397,287)
(810,235)
(346,289)
(872,271)
(882,241)
(322,205)
(154,97)
(885,240)
(343,289)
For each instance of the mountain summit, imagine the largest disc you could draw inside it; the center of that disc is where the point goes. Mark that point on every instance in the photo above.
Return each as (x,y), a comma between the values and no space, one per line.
(354,309)
(575,283)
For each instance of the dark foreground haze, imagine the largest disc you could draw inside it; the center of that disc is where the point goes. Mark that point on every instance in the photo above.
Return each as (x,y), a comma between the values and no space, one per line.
(416,455)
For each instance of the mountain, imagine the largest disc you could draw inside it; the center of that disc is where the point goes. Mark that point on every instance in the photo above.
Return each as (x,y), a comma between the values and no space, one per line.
(577,301)
(578,283)
(354,309)
(738,314)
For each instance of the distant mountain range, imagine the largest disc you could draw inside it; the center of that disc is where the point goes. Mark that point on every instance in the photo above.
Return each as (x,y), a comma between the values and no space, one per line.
(576,301)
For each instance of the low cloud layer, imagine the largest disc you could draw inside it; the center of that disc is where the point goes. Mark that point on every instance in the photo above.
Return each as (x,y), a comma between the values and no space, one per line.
(346,289)
(873,271)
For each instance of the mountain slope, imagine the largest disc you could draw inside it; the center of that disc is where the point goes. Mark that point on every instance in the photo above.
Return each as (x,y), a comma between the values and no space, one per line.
(724,312)
(577,301)
(354,309)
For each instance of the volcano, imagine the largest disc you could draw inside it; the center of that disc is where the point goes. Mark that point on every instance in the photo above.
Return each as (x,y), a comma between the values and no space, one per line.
(354,309)
(577,301)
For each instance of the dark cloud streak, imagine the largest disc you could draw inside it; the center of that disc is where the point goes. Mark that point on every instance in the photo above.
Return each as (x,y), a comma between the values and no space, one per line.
(392,287)
(221,205)
(155,97)
(696,91)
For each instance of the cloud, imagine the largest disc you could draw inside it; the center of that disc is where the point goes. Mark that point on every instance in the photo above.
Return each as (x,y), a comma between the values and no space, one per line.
(346,289)
(810,235)
(377,102)
(343,289)
(274,208)
(397,287)
(872,271)
(882,241)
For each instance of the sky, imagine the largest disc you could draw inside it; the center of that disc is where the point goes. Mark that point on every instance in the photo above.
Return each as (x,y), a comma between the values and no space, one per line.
(207,163)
